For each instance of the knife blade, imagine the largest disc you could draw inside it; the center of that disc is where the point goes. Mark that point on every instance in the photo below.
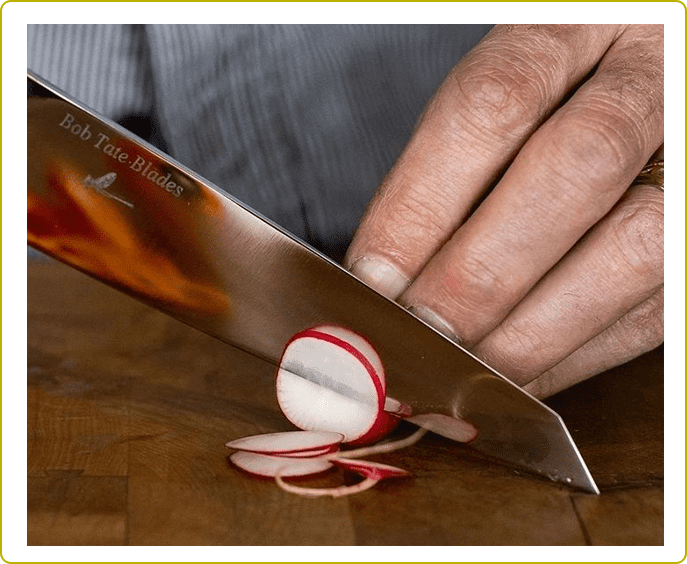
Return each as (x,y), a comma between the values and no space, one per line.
(111,205)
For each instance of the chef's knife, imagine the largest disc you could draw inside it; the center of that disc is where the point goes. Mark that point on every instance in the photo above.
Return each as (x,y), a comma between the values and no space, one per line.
(109,204)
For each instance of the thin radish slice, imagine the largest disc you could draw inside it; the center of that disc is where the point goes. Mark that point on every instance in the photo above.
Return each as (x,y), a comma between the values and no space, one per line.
(380,448)
(327,383)
(272,466)
(291,443)
(373,472)
(397,408)
(310,453)
(341,491)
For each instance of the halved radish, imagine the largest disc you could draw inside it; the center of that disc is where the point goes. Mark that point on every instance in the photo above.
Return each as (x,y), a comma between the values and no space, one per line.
(331,379)
(272,466)
(291,443)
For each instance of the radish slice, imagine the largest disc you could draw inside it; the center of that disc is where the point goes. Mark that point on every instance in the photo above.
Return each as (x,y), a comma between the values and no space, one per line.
(272,466)
(384,447)
(330,379)
(373,472)
(293,443)
(311,453)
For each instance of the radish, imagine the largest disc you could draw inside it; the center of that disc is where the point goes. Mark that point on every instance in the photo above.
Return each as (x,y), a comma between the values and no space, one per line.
(331,384)
(332,379)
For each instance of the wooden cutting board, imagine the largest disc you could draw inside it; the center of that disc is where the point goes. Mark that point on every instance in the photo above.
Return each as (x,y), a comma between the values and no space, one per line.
(129,410)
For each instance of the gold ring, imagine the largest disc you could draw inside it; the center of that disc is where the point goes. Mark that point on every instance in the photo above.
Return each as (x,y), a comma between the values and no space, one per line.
(651,175)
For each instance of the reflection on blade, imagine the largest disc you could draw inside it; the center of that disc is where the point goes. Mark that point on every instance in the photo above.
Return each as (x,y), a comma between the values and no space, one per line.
(542,446)
(92,234)
(534,439)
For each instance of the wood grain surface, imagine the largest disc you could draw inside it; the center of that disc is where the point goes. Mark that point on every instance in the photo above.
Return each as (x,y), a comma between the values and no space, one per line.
(129,411)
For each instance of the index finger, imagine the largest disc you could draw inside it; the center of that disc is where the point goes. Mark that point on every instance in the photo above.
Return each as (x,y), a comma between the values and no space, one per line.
(488,106)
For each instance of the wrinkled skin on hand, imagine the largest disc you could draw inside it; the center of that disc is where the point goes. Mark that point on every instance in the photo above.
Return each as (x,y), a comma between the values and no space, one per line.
(509,221)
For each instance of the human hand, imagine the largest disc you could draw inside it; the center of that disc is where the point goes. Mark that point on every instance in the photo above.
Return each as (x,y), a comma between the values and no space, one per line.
(509,223)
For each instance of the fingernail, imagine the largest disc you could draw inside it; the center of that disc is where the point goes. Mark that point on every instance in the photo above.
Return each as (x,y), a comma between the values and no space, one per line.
(432,319)
(381,276)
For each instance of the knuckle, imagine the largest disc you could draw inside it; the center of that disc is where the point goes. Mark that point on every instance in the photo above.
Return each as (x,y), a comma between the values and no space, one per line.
(476,288)
(496,101)
(596,149)
(478,276)
(633,73)
(615,120)
(407,228)
(510,82)
(468,292)
(637,93)
(425,208)
(643,326)
(503,99)
(522,337)
(638,233)
(515,351)
(593,152)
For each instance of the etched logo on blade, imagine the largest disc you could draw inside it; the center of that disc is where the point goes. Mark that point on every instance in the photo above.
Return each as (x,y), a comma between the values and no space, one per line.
(102,183)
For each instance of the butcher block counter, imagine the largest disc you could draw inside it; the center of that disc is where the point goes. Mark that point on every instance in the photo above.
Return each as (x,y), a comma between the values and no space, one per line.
(129,412)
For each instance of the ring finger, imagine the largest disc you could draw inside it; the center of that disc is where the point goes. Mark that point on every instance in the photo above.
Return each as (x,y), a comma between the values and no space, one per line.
(614,269)
(638,331)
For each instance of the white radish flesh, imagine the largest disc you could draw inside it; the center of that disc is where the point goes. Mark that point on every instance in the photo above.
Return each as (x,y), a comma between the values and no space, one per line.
(271,466)
(292,443)
(361,344)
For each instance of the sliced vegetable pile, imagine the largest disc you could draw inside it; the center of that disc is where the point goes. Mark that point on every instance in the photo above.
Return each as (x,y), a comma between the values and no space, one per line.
(330,384)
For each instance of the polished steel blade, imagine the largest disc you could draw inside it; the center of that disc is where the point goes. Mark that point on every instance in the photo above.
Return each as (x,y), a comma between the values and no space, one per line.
(113,206)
